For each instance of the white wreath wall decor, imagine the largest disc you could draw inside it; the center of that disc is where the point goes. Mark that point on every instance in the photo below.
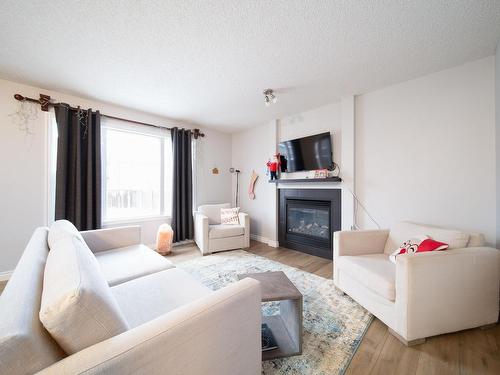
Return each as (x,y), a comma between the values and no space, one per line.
(24,117)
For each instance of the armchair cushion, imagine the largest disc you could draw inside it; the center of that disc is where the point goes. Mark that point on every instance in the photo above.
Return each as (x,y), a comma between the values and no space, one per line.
(229,216)
(225,230)
(402,231)
(418,245)
(212,211)
(374,271)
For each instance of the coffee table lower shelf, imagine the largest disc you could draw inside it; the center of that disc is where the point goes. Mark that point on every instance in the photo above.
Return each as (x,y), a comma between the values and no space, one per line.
(287,346)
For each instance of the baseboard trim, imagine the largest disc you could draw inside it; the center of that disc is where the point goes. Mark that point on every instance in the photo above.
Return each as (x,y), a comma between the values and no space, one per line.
(265,240)
(5,276)
(175,244)
(181,243)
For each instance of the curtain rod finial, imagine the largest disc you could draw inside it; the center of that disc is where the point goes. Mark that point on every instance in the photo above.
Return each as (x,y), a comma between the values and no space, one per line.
(19,97)
(197,133)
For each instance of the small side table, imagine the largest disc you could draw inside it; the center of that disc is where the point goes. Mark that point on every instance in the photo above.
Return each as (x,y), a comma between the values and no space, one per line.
(287,326)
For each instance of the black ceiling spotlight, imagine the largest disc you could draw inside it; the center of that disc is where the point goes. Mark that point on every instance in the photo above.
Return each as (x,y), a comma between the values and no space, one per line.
(269,97)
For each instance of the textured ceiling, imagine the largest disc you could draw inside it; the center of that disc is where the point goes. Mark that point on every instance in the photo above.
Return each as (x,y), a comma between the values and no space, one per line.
(207,62)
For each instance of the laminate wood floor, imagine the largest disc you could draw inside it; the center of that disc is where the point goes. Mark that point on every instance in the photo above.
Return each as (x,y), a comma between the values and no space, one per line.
(474,351)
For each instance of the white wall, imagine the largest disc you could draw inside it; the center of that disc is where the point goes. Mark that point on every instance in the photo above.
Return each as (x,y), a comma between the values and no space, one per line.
(497,116)
(347,120)
(23,170)
(250,151)
(319,120)
(425,150)
(214,153)
(338,119)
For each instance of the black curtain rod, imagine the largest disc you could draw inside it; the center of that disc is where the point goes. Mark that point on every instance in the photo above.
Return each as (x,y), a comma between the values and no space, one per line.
(45,103)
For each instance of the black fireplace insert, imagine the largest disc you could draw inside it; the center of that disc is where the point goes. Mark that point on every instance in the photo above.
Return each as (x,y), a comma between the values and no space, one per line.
(308,218)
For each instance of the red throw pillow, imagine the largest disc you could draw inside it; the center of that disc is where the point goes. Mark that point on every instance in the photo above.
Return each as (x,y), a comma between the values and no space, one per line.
(431,245)
(418,245)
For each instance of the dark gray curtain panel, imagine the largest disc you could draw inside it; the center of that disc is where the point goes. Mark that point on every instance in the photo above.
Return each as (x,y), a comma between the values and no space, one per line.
(78,175)
(182,192)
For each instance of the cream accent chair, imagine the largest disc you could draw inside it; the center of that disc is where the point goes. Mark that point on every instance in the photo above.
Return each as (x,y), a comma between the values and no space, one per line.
(421,295)
(212,236)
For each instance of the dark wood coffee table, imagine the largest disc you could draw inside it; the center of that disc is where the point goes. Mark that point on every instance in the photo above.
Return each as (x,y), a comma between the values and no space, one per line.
(287,326)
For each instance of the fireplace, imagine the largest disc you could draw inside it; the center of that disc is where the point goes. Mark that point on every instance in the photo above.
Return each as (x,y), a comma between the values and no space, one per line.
(308,218)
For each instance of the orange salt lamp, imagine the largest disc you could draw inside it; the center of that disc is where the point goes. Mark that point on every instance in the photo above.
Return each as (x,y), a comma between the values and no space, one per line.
(164,239)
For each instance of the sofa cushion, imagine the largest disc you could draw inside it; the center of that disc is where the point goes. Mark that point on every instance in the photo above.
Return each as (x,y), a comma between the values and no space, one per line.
(130,262)
(77,308)
(61,229)
(476,240)
(149,297)
(374,271)
(212,211)
(25,346)
(402,231)
(225,230)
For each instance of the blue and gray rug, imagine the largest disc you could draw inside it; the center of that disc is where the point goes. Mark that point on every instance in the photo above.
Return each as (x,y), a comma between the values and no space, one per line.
(333,323)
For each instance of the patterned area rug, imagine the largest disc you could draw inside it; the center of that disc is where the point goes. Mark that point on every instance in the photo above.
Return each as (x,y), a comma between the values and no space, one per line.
(333,323)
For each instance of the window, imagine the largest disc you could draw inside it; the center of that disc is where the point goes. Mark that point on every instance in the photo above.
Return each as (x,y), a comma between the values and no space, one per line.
(136,173)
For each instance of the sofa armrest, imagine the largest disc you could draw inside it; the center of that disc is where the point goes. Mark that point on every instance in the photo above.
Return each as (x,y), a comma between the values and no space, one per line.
(245,221)
(201,232)
(360,242)
(112,238)
(446,291)
(218,334)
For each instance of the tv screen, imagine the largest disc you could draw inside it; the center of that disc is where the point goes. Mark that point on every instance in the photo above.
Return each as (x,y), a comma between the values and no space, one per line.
(307,154)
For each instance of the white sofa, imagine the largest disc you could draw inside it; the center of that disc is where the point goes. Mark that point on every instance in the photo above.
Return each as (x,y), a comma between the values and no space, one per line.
(175,325)
(212,236)
(424,294)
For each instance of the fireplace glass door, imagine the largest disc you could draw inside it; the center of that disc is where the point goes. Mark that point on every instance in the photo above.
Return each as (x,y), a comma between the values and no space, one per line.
(308,220)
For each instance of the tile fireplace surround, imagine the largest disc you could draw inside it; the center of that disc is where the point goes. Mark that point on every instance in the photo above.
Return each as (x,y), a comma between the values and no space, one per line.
(308,218)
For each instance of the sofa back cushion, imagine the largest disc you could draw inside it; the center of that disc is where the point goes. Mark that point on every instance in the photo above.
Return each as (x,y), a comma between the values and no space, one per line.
(78,308)
(403,231)
(212,211)
(25,346)
(61,229)
(476,240)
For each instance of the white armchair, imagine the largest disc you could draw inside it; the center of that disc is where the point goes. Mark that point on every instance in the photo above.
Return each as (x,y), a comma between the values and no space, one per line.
(212,236)
(425,294)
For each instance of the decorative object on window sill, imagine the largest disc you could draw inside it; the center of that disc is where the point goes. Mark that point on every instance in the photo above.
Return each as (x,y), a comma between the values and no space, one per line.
(164,239)
(237,171)
(253,179)
(273,166)
(45,103)
(269,97)
(215,170)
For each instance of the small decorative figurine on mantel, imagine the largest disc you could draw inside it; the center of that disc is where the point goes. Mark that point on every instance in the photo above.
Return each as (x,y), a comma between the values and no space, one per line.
(273,166)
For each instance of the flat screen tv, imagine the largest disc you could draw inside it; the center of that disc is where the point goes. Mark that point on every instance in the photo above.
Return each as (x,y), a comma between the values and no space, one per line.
(307,154)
